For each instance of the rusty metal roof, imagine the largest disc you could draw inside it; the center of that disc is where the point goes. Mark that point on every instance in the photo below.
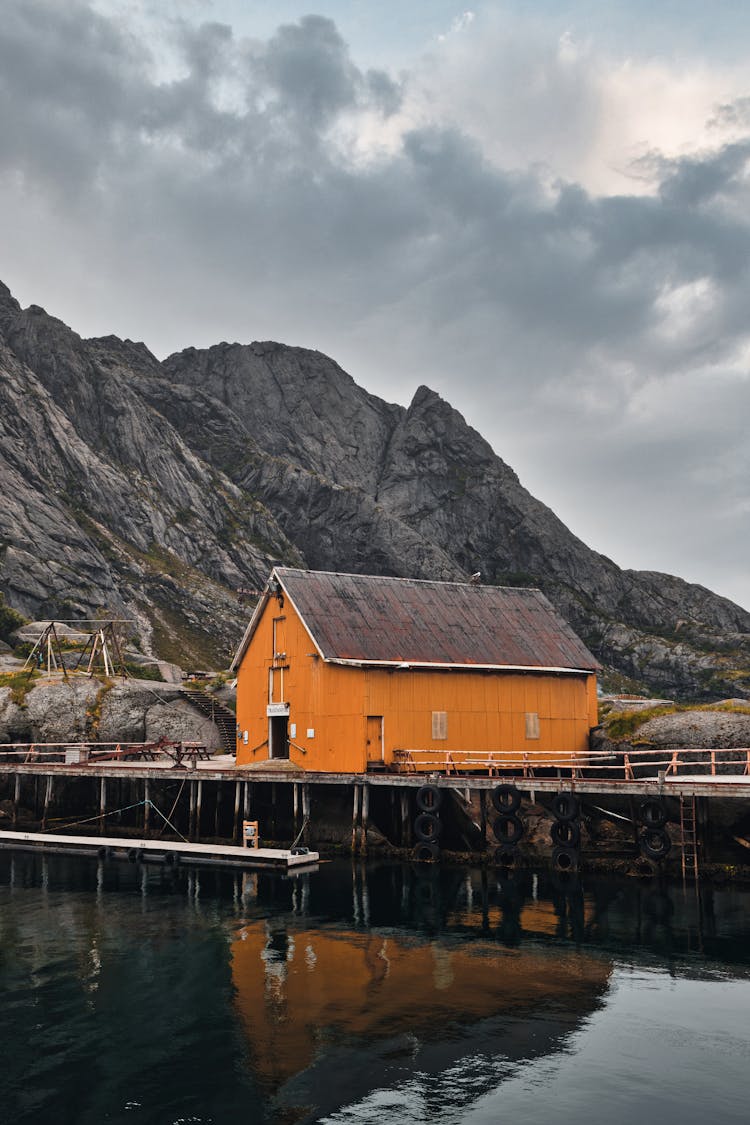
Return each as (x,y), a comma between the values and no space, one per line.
(366,619)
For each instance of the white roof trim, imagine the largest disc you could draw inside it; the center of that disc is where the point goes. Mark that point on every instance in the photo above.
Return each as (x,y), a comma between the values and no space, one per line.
(406,665)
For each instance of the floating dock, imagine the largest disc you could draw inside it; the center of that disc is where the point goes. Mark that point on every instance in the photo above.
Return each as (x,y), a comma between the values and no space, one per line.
(167,852)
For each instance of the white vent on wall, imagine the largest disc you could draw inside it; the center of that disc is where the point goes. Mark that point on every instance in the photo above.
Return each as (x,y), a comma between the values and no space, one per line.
(439,724)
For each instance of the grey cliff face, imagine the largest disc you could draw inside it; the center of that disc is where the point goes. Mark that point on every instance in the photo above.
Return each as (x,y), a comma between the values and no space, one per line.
(158,490)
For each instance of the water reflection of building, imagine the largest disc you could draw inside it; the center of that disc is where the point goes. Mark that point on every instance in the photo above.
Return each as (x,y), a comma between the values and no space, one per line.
(325,1008)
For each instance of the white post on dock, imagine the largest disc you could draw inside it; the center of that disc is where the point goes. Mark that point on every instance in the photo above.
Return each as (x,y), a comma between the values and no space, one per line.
(103,804)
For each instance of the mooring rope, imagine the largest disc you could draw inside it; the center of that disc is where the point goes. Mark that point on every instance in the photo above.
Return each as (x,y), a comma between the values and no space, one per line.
(174,806)
(164,818)
(125,808)
(302,829)
(100,816)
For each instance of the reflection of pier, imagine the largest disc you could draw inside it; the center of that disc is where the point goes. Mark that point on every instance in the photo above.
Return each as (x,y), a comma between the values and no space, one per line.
(445,981)
(332,1012)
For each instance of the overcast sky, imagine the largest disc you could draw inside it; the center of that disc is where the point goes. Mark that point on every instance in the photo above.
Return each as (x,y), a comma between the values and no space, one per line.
(541,210)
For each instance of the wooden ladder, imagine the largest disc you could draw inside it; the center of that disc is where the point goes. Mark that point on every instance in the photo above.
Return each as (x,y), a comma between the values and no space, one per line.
(689,834)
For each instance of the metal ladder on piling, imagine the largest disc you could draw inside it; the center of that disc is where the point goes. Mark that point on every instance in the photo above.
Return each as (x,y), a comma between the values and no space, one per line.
(689,836)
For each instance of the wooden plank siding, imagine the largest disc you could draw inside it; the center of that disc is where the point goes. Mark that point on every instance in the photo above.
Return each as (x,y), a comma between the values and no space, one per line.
(485,710)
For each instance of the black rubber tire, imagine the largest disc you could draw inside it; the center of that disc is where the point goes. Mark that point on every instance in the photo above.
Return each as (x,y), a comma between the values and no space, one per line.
(508,830)
(135,855)
(427,827)
(565,806)
(565,833)
(652,813)
(104,852)
(654,843)
(429,798)
(506,799)
(171,859)
(426,852)
(565,859)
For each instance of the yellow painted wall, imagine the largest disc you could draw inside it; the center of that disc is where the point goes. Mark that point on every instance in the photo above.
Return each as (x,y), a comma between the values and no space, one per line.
(324,698)
(485,711)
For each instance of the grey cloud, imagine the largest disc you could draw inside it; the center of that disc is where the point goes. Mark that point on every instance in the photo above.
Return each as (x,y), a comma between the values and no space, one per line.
(540,311)
(695,181)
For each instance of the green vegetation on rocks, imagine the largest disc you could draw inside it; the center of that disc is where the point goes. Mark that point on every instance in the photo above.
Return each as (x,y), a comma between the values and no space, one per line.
(20,684)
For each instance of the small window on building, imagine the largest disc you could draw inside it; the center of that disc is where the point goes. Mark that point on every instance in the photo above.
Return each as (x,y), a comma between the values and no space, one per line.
(439,724)
(532,724)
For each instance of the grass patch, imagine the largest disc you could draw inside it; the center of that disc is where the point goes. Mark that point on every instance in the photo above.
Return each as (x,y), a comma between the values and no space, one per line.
(142,671)
(20,684)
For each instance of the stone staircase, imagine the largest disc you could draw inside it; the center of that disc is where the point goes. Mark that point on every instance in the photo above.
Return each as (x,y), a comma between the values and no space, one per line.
(224,718)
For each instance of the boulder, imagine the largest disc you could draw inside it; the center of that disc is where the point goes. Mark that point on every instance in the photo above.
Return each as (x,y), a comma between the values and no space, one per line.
(83,709)
(698,729)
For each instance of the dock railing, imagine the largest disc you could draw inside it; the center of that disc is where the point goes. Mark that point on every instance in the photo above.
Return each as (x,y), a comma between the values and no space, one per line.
(95,753)
(630,766)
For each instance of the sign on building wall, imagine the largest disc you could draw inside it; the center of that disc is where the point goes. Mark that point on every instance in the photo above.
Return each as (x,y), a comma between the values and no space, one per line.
(276,709)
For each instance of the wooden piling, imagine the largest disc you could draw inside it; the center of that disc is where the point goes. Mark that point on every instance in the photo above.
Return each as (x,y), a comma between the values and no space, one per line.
(146,806)
(355,816)
(191,810)
(103,805)
(198,803)
(306,814)
(217,815)
(483,816)
(405,822)
(16,799)
(295,808)
(47,800)
(365,816)
(236,821)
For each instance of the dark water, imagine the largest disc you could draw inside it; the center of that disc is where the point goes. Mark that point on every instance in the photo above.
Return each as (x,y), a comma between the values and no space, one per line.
(355,995)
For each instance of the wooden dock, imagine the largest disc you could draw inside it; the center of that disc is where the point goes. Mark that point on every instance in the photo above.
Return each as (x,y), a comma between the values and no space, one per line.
(167,852)
(150,791)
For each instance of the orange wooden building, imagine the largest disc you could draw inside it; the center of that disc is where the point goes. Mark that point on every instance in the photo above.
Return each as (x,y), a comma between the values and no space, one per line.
(344,673)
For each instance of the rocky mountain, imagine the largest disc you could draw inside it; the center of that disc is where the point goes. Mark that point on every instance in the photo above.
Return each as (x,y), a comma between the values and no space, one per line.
(157,491)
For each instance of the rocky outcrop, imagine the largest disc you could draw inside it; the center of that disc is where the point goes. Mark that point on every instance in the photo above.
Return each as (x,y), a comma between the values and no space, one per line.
(156,491)
(699,730)
(83,709)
